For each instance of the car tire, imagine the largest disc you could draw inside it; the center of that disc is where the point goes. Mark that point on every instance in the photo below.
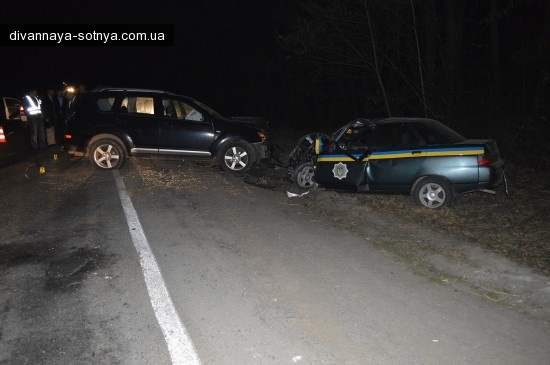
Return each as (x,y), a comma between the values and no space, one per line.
(432,193)
(107,154)
(236,156)
(303,175)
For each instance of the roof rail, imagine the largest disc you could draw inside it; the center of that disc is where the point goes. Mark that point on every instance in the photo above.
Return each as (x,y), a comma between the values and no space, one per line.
(132,89)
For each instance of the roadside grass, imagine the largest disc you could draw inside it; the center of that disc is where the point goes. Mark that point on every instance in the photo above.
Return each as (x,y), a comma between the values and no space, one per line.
(516,226)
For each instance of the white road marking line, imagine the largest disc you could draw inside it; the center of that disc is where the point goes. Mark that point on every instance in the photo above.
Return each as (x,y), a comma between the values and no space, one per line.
(179,343)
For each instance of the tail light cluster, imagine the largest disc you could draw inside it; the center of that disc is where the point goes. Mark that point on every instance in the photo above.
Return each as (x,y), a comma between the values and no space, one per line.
(2,135)
(491,154)
(484,161)
(22,114)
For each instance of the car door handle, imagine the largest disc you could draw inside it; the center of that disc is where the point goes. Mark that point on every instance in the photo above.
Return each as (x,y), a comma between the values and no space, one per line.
(416,152)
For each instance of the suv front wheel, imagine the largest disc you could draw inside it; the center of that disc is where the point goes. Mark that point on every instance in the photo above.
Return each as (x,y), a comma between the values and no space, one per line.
(236,156)
(106,154)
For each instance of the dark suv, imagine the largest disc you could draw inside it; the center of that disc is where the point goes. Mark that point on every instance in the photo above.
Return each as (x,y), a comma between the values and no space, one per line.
(109,125)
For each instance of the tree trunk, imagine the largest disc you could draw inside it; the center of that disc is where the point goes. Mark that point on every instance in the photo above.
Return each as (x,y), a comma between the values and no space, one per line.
(419,61)
(543,76)
(375,57)
(429,24)
(454,33)
(495,56)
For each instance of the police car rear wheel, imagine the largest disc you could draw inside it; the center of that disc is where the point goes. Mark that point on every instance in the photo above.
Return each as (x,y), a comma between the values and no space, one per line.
(433,193)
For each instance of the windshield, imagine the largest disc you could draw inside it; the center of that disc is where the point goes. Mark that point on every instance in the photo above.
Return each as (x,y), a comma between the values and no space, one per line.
(334,136)
(356,124)
(208,109)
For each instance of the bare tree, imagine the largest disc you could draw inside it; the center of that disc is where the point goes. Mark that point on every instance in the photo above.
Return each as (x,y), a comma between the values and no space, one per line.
(375,58)
(376,40)
(419,61)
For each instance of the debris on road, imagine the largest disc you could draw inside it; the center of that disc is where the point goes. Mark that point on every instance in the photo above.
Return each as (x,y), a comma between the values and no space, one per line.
(294,195)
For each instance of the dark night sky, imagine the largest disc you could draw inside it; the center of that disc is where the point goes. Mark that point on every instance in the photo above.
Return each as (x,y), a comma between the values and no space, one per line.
(226,54)
(219,46)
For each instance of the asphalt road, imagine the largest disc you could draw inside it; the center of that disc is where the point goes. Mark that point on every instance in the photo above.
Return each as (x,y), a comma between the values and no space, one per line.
(253,278)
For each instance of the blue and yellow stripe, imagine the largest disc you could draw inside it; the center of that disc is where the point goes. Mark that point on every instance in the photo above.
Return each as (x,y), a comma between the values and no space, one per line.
(430,152)
(318,146)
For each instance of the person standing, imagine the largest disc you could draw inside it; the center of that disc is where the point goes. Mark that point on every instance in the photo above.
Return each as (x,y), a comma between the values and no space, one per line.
(60,106)
(71,97)
(47,107)
(31,103)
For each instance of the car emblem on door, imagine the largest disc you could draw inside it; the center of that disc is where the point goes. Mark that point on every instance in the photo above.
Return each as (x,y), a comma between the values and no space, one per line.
(340,171)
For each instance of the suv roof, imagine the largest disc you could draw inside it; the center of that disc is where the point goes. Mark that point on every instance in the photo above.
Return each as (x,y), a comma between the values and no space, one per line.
(131,89)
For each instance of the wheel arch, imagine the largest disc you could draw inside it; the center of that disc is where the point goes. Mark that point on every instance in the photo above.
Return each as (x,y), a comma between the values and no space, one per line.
(123,144)
(420,178)
(226,139)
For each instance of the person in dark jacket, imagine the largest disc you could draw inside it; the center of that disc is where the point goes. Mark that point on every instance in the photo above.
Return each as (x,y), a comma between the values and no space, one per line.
(48,114)
(61,105)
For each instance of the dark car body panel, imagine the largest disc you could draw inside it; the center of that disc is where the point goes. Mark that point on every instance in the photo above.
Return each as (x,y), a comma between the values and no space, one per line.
(194,135)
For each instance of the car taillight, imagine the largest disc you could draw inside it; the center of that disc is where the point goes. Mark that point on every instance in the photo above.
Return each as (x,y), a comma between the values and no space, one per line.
(21,110)
(2,135)
(483,161)
(68,136)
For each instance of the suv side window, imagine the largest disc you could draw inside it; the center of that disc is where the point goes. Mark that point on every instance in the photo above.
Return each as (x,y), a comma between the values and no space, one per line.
(180,110)
(105,104)
(138,105)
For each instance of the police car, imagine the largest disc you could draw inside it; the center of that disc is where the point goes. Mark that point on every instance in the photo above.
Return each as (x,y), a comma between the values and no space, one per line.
(416,156)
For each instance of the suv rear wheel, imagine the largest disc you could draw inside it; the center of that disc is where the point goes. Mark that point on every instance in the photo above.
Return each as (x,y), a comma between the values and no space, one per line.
(236,156)
(107,154)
